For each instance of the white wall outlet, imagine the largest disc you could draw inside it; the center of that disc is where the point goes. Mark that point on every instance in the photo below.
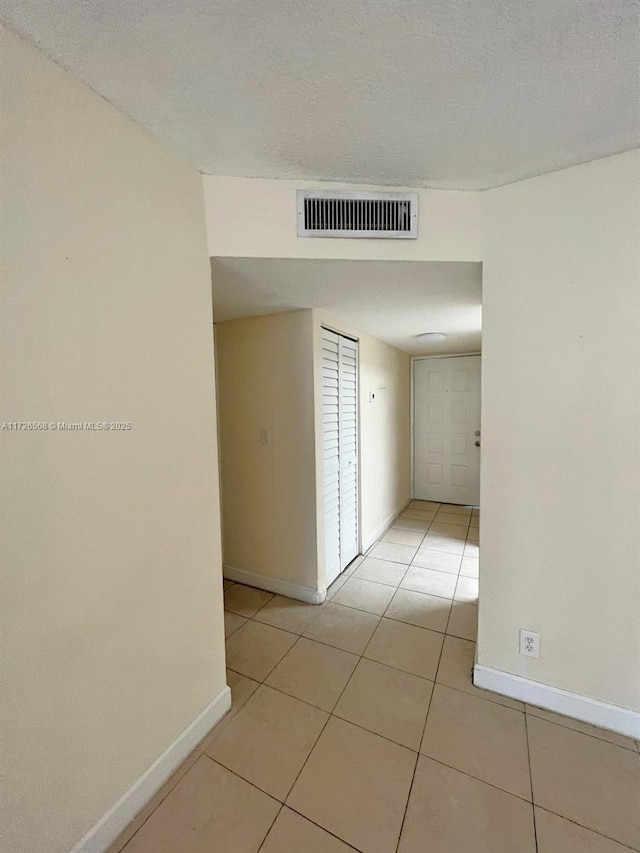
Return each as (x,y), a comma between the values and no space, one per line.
(265,436)
(529,643)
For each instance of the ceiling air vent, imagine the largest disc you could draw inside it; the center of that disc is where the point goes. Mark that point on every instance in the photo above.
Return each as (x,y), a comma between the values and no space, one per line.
(323,213)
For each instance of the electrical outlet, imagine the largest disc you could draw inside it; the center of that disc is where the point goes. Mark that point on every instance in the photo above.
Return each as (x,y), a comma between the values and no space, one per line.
(529,643)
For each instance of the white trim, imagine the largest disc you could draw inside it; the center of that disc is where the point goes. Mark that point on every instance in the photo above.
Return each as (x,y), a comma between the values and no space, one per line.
(612,717)
(382,528)
(108,828)
(291,590)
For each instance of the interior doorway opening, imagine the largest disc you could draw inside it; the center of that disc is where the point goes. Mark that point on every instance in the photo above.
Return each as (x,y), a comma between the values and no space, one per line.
(446,429)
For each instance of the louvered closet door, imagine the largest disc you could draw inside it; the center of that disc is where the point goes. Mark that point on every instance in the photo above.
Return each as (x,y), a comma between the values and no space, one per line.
(340,425)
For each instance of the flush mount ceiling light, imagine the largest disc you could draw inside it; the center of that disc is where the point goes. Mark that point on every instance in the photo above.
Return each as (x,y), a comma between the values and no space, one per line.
(432,337)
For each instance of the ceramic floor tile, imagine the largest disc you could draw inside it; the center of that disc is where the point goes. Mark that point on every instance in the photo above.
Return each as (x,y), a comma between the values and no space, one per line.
(343,627)
(586,780)
(288,614)
(475,521)
(269,740)
(365,595)
(467,590)
(415,525)
(231,623)
(226,583)
(353,565)
(456,668)
(449,812)
(419,514)
(403,537)
(557,835)
(395,553)
(314,672)
(338,583)
(443,543)
(473,535)
(483,739)
(210,810)
(405,647)
(142,817)
(387,702)
(255,649)
(245,600)
(430,581)
(438,561)
(469,567)
(356,785)
(585,728)
(471,550)
(463,621)
(453,531)
(455,509)
(416,608)
(292,833)
(241,689)
(431,506)
(380,571)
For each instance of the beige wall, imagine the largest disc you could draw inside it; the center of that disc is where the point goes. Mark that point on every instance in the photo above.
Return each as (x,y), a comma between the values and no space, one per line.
(385,430)
(111,603)
(265,381)
(560,438)
(269,376)
(385,477)
(256,218)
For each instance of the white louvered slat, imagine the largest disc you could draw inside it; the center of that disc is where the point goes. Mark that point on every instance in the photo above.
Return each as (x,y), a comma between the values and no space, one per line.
(340,450)
(331,453)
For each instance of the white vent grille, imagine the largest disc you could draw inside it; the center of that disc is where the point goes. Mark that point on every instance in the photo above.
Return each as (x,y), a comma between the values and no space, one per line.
(342,214)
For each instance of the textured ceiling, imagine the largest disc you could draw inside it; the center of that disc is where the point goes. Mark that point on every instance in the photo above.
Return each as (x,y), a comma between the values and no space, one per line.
(442,93)
(391,300)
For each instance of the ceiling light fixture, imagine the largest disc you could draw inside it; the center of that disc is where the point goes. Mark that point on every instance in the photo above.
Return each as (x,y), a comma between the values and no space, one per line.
(432,337)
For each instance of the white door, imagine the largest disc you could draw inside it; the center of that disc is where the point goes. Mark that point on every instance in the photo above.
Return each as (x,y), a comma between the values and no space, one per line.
(446,429)
(340,437)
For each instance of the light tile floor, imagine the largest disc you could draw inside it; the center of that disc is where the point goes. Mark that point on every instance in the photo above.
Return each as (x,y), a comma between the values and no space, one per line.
(355,726)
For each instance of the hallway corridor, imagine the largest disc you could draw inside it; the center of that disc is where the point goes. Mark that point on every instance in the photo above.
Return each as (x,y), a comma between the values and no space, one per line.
(355,727)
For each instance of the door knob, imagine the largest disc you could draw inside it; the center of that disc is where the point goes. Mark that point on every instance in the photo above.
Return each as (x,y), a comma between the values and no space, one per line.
(477,444)
(477,432)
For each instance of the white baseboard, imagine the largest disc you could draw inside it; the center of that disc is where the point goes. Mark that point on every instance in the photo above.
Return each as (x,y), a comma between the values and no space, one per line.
(382,528)
(612,717)
(119,816)
(291,590)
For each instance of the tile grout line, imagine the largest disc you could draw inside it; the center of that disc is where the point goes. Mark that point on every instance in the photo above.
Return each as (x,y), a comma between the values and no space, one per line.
(153,811)
(362,728)
(589,829)
(323,828)
(332,713)
(329,717)
(395,669)
(533,808)
(577,731)
(415,769)
(418,754)
(271,825)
